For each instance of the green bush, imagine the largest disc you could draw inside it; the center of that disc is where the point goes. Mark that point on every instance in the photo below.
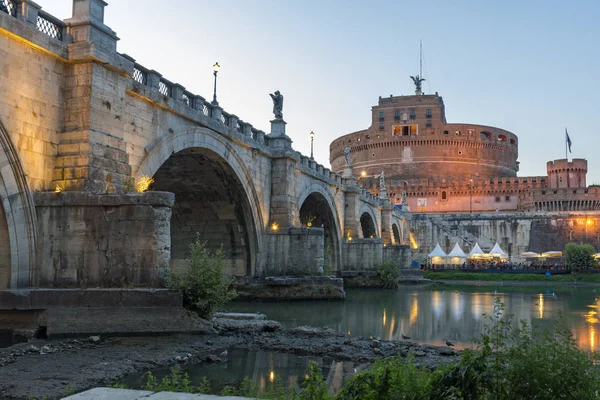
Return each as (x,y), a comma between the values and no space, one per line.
(202,282)
(388,272)
(579,258)
(391,378)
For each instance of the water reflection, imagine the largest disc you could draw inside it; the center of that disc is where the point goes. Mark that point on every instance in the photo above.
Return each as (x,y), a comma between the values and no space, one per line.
(264,368)
(432,314)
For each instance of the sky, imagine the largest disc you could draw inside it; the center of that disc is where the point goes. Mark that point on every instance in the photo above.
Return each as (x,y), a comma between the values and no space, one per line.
(530,67)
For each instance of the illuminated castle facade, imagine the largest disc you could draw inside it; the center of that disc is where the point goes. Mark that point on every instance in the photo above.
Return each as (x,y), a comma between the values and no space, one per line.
(454,167)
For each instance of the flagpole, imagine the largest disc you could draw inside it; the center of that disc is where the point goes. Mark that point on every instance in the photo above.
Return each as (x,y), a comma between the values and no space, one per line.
(566,144)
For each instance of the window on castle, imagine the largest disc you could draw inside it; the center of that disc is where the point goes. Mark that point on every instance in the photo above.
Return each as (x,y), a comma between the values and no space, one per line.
(428,123)
(432,133)
(413,129)
(381,116)
(381,127)
(502,138)
(446,132)
(512,141)
(457,133)
(396,114)
(471,132)
(484,135)
(428,113)
(444,195)
(497,199)
(413,113)
(506,198)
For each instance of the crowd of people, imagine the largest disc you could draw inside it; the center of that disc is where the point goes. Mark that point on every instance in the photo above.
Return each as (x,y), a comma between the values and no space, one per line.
(547,265)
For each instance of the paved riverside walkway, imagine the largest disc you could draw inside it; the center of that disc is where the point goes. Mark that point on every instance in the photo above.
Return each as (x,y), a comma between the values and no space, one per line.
(127,394)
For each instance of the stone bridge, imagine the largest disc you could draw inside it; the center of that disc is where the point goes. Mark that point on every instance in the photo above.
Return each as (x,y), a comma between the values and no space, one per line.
(80,122)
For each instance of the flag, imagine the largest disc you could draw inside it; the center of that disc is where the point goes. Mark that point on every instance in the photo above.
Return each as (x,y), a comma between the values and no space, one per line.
(568,140)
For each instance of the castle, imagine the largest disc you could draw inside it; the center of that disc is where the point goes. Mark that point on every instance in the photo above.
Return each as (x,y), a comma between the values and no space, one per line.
(441,167)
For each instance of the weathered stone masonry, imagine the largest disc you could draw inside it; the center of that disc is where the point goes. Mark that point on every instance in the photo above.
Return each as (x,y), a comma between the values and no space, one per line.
(81,119)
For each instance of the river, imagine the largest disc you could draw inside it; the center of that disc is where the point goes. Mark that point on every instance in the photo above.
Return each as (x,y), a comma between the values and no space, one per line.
(432,314)
(428,314)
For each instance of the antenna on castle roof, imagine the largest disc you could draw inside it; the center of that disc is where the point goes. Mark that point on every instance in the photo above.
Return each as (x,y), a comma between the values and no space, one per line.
(420,57)
(417,80)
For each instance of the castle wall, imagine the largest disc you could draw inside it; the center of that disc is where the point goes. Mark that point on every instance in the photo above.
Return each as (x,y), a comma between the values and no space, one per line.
(409,138)
(515,232)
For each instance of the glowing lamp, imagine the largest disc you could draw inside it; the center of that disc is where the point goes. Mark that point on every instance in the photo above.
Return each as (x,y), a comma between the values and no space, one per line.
(274,226)
(216,67)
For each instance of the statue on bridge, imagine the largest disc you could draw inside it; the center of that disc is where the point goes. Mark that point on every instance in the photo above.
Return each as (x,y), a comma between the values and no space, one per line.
(382,181)
(347,156)
(277,104)
(403,196)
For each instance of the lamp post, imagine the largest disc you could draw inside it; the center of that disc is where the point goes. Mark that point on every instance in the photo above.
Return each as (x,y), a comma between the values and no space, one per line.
(312,139)
(216,68)
(363,175)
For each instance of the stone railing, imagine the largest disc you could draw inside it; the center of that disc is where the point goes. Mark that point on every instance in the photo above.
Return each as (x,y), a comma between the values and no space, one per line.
(29,12)
(368,196)
(175,91)
(319,170)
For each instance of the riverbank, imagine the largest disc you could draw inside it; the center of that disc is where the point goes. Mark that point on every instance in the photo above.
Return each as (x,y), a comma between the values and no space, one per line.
(54,368)
(492,278)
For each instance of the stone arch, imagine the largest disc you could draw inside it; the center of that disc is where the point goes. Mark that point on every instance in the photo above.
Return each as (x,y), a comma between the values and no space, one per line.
(367,225)
(198,147)
(396,233)
(17,219)
(317,195)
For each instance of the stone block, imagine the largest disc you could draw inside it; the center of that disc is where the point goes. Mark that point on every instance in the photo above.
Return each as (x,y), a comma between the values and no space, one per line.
(110,394)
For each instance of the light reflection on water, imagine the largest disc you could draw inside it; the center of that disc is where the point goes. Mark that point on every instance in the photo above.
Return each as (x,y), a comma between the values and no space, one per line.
(433,314)
(261,367)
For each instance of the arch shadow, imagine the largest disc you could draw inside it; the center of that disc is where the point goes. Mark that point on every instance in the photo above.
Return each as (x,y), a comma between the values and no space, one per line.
(203,138)
(318,196)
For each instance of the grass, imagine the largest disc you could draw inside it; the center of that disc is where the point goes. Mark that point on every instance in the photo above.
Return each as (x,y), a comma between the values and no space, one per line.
(493,276)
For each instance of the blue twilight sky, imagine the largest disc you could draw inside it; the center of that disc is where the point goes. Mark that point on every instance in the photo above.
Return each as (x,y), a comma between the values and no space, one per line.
(530,67)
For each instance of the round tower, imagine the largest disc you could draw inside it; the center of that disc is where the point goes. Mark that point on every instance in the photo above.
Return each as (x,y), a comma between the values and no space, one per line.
(567,174)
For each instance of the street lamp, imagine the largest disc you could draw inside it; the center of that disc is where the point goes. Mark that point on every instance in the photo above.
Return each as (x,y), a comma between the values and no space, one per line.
(312,139)
(363,175)
(216,68)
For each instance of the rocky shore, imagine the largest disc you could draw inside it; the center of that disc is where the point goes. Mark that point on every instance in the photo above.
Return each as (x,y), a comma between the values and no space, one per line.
(60,367)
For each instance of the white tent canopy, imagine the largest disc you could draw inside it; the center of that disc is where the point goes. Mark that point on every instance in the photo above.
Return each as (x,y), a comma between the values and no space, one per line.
(457,252)
(529,254)
(457,255)
(497,251)
(476,252)
(437,255)
(437,252)
(552,254)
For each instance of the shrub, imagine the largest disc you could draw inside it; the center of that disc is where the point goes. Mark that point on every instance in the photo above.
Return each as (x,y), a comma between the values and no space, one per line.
(579,258)
(202,282)
(388,272)
(391,378)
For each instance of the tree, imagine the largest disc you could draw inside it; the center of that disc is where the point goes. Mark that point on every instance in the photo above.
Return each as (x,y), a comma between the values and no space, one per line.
(579,258)
(202,282)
